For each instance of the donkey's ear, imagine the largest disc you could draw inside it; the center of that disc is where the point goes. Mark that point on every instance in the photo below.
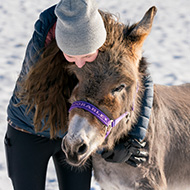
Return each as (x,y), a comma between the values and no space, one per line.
(142,29)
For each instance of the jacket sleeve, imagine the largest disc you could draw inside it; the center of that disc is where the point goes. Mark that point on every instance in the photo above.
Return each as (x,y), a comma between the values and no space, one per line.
(17,114)
(139,130)
(36,45)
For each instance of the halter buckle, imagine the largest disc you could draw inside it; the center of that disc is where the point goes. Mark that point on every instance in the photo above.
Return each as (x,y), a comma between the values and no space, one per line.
(108,128)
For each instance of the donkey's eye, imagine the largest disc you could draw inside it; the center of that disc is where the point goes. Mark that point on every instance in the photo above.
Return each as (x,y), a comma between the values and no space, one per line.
(119,88)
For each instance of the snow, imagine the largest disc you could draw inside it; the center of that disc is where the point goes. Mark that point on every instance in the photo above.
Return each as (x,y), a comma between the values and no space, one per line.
(167,49)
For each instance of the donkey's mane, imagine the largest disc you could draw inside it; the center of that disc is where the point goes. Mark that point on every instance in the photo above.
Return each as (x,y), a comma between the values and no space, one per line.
(48,85)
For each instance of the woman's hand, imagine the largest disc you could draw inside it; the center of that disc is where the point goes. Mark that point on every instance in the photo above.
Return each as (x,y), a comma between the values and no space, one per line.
(130,151)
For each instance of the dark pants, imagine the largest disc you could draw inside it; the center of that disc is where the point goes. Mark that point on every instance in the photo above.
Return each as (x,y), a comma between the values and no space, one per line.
(27,161)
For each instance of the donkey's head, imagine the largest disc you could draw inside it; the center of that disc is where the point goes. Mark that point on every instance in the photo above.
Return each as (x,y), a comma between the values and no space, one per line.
(109,83)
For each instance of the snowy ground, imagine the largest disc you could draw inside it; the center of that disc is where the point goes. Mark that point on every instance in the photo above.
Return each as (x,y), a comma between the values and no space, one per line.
(167,49)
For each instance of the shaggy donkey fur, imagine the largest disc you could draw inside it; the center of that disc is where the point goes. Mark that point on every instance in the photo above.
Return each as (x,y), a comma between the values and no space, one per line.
(110,84)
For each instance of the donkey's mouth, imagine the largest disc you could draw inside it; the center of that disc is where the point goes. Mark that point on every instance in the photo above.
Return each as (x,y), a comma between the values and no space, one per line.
(78,163)
(77,160)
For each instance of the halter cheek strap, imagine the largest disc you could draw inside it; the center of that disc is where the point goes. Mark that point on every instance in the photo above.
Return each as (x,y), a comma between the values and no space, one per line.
(109,124)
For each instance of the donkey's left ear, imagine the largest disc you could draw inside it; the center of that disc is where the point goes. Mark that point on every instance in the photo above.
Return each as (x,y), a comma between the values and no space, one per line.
(142,29)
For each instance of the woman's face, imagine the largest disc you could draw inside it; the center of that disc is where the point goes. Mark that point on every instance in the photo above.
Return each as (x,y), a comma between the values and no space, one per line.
(80,60)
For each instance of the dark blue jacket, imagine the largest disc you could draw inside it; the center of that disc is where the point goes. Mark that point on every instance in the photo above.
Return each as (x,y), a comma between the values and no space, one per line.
(18,115)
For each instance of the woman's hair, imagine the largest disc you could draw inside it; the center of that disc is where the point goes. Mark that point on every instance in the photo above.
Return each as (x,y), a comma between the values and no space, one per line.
(47,88)
(48,85)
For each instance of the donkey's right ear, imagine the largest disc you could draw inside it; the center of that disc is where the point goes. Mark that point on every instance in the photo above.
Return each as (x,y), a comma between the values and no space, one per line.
(142,29)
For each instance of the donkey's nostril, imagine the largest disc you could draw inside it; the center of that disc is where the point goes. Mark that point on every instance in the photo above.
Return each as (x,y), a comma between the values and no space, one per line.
(82,149)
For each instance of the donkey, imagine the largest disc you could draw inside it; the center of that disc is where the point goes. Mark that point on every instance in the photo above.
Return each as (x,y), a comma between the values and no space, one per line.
(105,105)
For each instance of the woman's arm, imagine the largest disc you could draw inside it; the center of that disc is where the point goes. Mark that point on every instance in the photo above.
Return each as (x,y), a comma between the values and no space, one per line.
(139,130)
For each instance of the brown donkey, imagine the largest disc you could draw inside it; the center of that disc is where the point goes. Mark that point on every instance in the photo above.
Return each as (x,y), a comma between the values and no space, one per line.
(107,89)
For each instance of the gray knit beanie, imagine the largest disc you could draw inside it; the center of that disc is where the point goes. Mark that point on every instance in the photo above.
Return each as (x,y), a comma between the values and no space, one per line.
(80,29)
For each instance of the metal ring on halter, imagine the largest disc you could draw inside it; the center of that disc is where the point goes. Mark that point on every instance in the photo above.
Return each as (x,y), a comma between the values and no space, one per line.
(109,127)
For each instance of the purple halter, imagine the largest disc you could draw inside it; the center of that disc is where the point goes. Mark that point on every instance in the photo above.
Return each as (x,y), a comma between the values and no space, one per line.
(109,124)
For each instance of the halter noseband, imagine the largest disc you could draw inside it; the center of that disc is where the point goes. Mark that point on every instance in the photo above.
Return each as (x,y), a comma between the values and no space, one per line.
(109,124)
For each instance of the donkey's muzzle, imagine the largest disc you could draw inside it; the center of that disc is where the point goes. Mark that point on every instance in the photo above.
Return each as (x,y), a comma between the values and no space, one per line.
(75,151)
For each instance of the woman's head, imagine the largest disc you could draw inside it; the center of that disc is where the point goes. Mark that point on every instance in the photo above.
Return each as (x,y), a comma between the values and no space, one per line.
(80,29)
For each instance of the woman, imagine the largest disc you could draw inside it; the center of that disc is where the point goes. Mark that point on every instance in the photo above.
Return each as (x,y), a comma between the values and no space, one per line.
(73,31)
